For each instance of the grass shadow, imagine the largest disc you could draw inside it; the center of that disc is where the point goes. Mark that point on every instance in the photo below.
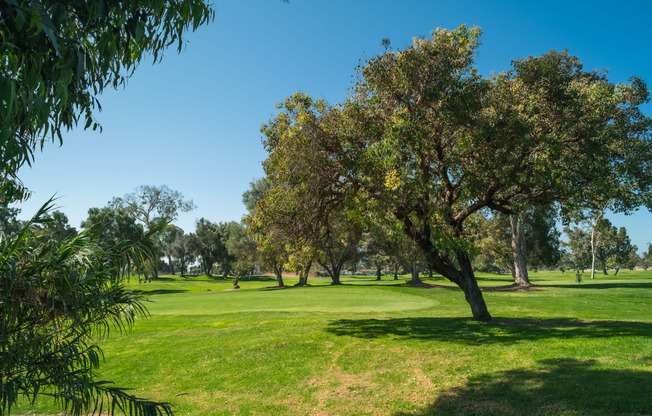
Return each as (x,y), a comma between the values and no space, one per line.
(162,291)
(597,285)
(499,331)
(554,387)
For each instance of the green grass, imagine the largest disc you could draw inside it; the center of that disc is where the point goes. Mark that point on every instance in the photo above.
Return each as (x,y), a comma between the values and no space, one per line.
(372,348)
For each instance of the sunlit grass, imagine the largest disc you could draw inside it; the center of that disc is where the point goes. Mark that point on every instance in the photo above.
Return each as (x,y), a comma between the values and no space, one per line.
(381,349)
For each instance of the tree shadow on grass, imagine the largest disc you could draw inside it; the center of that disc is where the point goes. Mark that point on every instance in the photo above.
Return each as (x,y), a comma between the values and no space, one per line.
(162,291)
(499,331)
(555,387)
(598,285)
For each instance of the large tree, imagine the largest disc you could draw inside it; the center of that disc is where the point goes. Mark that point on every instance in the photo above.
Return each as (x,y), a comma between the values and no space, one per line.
(435,142)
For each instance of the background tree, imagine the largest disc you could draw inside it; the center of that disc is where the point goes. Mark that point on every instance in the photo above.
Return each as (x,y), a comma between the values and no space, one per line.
(153,205)
(339,245)
(243,248)
(181,251)
(536,240)
(372,252)
(168,237)
(113,225)
(646,258)
(579,243)
(57,226)
(206,244)
(623,253)
(300,261)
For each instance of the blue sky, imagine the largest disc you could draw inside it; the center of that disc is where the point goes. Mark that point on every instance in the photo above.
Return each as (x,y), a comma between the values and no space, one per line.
(192,122)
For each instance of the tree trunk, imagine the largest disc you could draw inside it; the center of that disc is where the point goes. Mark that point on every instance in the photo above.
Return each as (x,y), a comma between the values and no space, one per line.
(443,265)
(396,272)
(518,249)
(333,271)
(335,277)
(616,271)
(170,264)
(594,225)
(414,270)
(378,272)
(430,272)
(278,270)
(303,274)
(236,279)
(604,270)
(472,292)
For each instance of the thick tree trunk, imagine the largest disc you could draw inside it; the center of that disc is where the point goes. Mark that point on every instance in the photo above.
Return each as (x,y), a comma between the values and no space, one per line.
(171,264)
(472,292)
(604,270)
(396,272)
(442,264)
(414,270)
(333,270)
(303,274)
(278,271)
(378,273)
(518,249)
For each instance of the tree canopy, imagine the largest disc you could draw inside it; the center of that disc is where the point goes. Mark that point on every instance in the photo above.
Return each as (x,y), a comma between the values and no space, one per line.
(58,57)
(433,142)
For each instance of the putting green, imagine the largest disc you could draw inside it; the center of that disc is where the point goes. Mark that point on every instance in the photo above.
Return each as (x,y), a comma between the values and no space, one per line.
(322,299)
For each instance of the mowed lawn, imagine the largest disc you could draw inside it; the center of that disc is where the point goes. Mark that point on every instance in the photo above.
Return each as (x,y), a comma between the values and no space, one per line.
(374,348)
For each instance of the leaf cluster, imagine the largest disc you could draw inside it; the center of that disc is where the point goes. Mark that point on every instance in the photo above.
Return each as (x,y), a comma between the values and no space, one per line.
(58,57)
(56,298)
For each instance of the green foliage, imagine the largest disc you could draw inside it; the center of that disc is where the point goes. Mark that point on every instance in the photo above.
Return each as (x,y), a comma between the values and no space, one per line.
(243,248)
(209,244)
(153,205)
(494,239)
(58,57)
(613,248)
(57,296)
(432,143)
(113,225)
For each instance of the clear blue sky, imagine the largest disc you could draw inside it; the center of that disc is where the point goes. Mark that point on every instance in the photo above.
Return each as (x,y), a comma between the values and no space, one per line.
(192,122)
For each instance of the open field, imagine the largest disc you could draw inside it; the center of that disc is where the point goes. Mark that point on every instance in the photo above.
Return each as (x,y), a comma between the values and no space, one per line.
(372,348)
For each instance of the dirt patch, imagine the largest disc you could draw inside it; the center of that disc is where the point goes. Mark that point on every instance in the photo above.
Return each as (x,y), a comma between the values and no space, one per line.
(425,285)
(511,288)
